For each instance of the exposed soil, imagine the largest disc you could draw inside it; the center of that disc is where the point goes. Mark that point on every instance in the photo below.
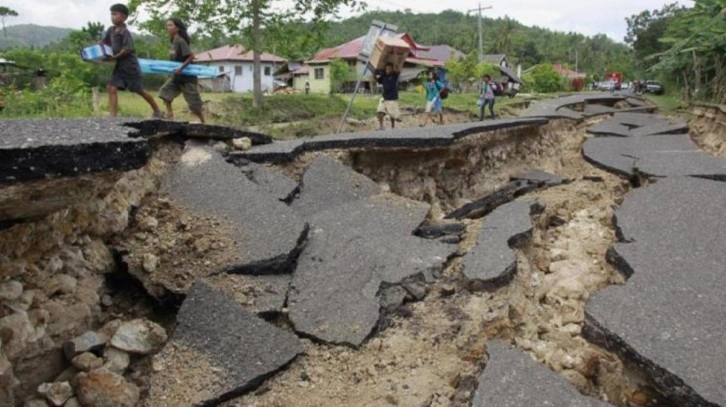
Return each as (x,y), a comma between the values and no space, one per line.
(168,248)
(431,352)
(708,129)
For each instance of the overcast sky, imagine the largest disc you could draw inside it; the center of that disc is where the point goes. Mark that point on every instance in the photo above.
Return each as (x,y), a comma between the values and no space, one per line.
(585,16)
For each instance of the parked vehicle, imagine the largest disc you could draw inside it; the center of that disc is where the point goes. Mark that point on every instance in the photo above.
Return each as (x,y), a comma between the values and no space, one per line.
(654,87)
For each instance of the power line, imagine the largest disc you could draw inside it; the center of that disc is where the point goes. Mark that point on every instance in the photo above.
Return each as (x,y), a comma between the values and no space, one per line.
(481,41)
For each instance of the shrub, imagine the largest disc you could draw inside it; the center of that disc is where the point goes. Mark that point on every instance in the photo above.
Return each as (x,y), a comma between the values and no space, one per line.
(543,79)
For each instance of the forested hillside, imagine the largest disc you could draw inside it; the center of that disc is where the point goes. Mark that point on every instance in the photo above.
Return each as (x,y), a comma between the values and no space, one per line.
(527,45)
(29,35)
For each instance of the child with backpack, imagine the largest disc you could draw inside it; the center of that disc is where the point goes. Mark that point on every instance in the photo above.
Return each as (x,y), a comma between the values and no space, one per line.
(487,96)
(434,89)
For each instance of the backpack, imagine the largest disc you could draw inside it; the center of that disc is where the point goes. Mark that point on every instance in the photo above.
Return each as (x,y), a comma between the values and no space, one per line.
(444,93)
(496,88)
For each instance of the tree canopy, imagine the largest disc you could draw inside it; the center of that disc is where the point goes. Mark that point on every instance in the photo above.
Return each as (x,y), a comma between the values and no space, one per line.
(6,12)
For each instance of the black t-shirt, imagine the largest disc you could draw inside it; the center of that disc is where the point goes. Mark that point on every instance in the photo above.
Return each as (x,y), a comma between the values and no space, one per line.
(179,52)
(390,85)
(119,38)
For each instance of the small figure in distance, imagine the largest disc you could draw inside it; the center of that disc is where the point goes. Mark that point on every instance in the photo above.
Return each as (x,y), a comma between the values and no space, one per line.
(127,72)
(388,105)
(487,96)
(433,98)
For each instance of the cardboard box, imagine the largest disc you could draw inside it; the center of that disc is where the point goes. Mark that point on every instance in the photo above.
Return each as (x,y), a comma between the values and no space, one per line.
(96,53)
(387,49)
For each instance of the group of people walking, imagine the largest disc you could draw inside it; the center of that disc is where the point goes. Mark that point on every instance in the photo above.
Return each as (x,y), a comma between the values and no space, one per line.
(127,72)
(127,76)
(434,89)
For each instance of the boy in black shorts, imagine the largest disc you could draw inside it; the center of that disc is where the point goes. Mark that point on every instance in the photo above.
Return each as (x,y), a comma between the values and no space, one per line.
(127,72)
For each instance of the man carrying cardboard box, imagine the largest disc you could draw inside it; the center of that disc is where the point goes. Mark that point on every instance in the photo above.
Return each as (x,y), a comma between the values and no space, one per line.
(388,105)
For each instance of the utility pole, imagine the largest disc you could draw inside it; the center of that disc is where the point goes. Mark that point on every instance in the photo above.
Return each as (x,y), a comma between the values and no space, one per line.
(481,38)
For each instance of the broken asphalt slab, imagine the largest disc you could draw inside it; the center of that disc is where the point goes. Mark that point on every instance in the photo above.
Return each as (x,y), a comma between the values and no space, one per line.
(660,156)
(562,107)
(513,379)
(266,231)
(539,176)
(239,350)
(273,182)
(519,185)
(42,149)
(415,138)
(352,250)
(610,128)
(669,315)
(327,183)
(150,128)
(492,261)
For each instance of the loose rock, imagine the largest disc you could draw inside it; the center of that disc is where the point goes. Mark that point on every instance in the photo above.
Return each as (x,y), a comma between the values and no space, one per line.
(139,336)
(56,393)
(150,262)
(88,342)
(242,143)
(101,388)
(87,361)
(117,360)
(61,284)
(10,290)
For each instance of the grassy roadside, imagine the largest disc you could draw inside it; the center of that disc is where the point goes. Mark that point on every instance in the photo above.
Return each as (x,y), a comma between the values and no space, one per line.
(667,104)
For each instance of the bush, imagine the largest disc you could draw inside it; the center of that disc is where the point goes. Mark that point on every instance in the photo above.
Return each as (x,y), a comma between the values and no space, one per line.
(577,84)
(64,96)
(544,79)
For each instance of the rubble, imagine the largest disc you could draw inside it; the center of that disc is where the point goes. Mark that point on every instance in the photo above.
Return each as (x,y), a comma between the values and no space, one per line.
(491,262)
(351,247)
(102,388)
(240,349)
(512,379)
(139,336)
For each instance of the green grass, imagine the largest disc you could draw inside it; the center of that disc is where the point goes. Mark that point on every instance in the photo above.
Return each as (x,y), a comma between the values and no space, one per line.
(667,104)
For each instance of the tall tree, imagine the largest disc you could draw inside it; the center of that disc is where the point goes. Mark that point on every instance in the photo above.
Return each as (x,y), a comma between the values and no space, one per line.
(696,51)
(244,20)
(6,12)
(646,29)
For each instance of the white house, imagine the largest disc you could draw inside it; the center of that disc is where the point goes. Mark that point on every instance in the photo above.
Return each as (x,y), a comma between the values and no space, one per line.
(236,63)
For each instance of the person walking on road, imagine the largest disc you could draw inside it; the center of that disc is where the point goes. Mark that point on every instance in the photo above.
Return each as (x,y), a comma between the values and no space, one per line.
(179,83)
(127,72)
(388,105)
(433,98)
(487,97)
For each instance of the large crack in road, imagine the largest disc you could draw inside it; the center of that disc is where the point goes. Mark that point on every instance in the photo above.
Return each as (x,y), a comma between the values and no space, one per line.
(446,267)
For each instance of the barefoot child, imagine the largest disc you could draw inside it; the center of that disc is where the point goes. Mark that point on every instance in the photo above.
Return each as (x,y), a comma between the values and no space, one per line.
(127,72)
(186,85)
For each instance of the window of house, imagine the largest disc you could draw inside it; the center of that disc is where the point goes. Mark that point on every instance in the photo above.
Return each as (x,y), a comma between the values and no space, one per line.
(221,68)
(319,73)
(268,71)
(238,70)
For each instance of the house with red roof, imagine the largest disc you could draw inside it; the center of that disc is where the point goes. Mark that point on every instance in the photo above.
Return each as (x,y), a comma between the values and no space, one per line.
(318,66)
(234,64)
(567,73)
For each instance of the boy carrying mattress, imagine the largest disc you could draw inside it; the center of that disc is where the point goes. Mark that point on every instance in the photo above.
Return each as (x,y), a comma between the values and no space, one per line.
(127,72)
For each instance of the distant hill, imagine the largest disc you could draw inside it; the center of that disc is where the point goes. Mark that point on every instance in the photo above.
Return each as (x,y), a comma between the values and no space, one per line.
(30,35)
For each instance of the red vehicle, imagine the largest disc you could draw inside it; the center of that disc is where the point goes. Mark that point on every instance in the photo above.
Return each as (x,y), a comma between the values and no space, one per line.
(615,77)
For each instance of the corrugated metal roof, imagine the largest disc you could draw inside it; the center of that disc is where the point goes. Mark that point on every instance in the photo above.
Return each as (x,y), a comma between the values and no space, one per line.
(233,53)
(349,50)
(441,52)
